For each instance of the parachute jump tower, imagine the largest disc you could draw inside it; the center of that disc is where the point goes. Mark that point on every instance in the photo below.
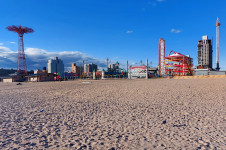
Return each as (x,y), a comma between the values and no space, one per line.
(21,66)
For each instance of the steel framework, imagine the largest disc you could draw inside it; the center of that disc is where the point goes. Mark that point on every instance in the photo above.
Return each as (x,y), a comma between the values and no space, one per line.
(178,64)
(161,57)
(21,65)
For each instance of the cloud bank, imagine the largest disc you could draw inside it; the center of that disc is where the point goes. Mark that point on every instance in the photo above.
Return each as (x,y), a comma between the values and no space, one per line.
(129,32)
(175,31)
(37,58)
(160,0)
(154,2)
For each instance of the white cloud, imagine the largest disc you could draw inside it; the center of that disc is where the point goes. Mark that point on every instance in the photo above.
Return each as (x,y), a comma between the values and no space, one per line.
(8,57)
(12,42)
(4,49)
(160,0)
(37,58)
(1,43)
(175,31)
(129,32)
(154,2)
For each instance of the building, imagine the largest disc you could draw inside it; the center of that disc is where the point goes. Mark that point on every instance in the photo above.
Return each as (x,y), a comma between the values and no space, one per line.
(37,76)
(40,77)
(89,68)
(205,53)
(40,71)
(205,72)
(14,78)
(137,72)
(113,67)
(77,69)
(56,65)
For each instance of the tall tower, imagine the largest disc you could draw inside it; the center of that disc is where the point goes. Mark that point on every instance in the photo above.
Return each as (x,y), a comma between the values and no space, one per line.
(217,46)
(56,65)
(161,57)
(21,66)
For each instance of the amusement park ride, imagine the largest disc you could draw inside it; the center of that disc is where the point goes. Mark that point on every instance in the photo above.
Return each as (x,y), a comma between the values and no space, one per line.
(174,64)
(217,42)
(21,66)
(178,64)
(161,57)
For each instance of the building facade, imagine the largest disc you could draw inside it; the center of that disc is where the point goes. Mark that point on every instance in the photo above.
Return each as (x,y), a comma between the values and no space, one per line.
(77,69)
(89,68)
(40,71)
(114,67)
(56,65)
(205,53)
(40,77)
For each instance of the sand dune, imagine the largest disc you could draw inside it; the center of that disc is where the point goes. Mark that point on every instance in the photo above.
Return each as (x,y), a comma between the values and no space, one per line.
(114,114)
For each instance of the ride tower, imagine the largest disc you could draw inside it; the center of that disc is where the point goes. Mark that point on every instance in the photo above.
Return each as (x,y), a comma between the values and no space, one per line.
(21,65)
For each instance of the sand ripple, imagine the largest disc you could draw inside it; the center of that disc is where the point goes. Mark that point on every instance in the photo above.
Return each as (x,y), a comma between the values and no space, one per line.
(120,114)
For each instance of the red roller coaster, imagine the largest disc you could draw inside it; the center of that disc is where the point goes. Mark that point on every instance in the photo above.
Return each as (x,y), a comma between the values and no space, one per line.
(178,64)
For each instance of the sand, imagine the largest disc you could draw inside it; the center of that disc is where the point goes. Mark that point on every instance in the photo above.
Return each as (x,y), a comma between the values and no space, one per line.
(114,114)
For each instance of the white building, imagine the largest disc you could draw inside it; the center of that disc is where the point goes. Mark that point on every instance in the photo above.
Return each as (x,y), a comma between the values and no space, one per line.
(137,72)
(89,68)
(56,65)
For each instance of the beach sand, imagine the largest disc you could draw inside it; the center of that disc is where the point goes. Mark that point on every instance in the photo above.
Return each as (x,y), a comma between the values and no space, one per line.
(114,114)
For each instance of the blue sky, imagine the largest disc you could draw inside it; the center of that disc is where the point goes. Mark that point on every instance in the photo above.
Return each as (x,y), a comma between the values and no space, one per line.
(118,29)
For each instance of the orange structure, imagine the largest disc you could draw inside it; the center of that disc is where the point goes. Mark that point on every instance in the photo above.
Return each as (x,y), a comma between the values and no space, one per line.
(178,65)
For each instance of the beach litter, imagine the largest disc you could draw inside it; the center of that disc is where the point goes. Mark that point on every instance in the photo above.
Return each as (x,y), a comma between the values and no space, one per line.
(164,122)
(86,82)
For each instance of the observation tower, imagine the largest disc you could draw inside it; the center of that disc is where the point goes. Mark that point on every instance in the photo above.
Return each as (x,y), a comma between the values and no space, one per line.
(217,46)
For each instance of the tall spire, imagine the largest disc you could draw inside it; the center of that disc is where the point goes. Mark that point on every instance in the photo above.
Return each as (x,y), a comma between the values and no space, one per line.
(217,43)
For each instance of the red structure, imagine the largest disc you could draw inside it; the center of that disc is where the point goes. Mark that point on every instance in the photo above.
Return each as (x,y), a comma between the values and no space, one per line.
(21,66)
(161,57)
(178,64)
